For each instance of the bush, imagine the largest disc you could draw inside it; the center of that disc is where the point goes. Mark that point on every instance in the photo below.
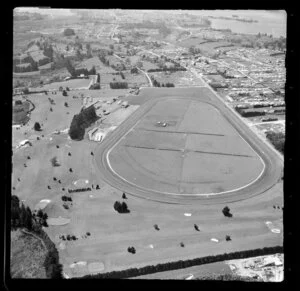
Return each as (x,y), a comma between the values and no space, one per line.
(54,162)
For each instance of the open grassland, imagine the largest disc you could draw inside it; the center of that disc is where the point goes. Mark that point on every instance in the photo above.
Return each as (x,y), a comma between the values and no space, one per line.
(197,152)
(27,256)
(92,211)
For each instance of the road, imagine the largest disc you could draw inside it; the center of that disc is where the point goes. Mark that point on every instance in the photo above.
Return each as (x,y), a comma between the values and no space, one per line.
(268,179)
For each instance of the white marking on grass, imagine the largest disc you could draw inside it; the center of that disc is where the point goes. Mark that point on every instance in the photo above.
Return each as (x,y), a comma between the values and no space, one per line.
(177,194)
(187,214)
(214,240)
(151,246)
(275,230)
(190,277)
(91,196)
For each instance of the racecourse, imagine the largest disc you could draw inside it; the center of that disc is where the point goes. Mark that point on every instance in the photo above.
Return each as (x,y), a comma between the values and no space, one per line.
(204,155)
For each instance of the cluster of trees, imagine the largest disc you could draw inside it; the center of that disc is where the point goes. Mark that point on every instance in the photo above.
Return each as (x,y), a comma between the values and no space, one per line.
(22,217)
(134,71)
(66,198)
(261,40)
(81,121)
(194,51)
(51,263)
(29,65)
(121,207)
(77,72)
(158,84)
(250,113)
(79,190)
(69,32)
(118,85)
(277,139)
(131,250)
(133,272)
(68,237)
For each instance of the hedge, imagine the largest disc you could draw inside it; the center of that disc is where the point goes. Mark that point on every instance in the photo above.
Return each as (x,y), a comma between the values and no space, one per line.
(169,266)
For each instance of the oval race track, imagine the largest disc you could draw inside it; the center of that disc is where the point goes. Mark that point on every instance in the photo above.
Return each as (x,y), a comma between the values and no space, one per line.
(265,179)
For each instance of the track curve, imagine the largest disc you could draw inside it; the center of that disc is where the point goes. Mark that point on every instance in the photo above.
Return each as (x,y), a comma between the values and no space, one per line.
(269,177)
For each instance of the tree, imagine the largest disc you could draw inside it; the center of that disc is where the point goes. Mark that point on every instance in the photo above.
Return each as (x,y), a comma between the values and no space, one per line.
(66,104)
(196,227)
(156,227)
(124,196)
(65,93)
(37,126)
(228,238)
(226,211)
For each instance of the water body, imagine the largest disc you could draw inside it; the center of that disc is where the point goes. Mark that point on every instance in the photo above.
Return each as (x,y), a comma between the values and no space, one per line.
(269,21)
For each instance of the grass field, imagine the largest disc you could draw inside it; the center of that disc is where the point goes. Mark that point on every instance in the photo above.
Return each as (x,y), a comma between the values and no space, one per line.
(112,233)
(27,256)
(199,152)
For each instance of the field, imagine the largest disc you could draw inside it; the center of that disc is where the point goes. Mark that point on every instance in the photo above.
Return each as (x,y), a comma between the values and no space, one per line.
(72,84)
(27,256)
(179,79)
(190,155)
(112,233)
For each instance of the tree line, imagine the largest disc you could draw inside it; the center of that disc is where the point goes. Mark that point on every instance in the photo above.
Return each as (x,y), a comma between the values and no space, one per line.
(166,69)
(79,190)
(118,85)
(169,266)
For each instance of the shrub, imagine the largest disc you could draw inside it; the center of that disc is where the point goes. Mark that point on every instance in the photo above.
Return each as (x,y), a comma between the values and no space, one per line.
(54,162)
(228,238)
(65,93)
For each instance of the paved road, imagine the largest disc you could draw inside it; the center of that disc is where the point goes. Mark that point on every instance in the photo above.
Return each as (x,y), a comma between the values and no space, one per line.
(268,179)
